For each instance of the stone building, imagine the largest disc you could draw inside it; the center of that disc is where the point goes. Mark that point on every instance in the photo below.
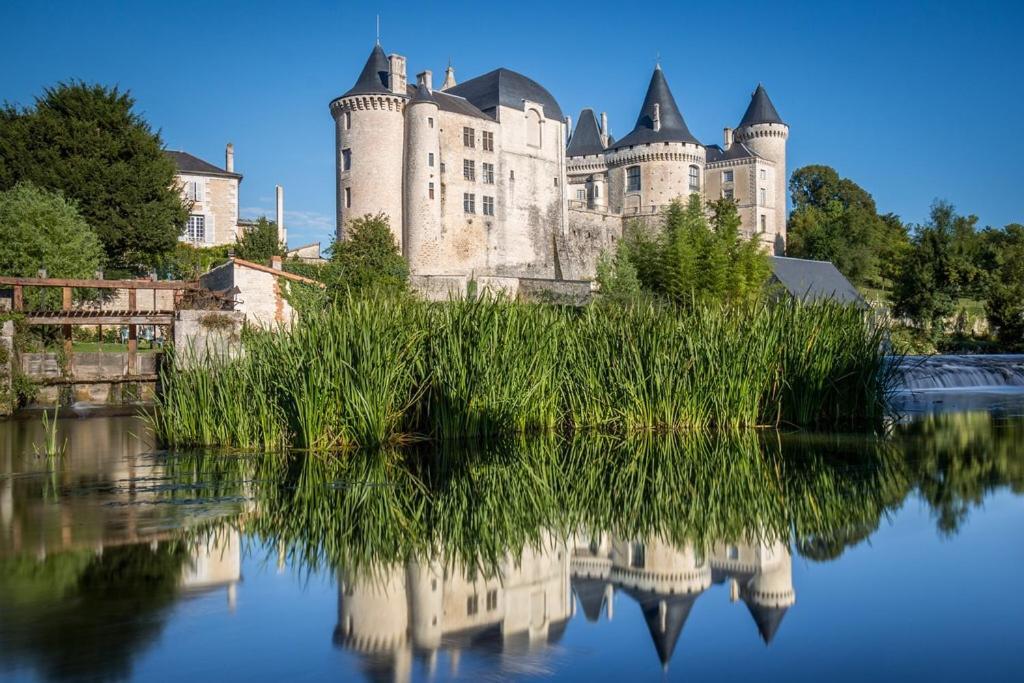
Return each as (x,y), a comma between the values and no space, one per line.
(479,180)
(213,192)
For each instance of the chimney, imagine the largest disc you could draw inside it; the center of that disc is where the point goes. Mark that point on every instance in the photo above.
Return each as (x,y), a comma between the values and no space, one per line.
(449,77)
(396,76)
(229,158)
(657,116)
(568,128)
(282,233)
(604,128)
(727,133)
(426,79)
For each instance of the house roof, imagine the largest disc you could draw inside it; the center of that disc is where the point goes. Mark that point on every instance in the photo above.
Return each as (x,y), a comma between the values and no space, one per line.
(188,163)
(586,139)
(506,88)
(373,79)
(814,280)
(420,93)
(760,109)
(673,127)
(736,151)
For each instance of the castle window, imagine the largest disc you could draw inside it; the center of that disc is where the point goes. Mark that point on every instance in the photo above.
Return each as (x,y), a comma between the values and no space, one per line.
(472,605)
(637,556)
(488,173)
(488,206)
(733,553)
(694,178)
(468,137)
(348,197)
(348,120)
(488,140)
(597,191)
(346,160)
(764,223)
(430,159)
(727,193)
(469,169)
(726,176)
(764,174)
(581,195)
(533,128)
(556,181)
(633,179)
(196,228)
(763,195)
(512,175)
(194,190)
(492,600)
(469,202)
(430,190)
(430,121)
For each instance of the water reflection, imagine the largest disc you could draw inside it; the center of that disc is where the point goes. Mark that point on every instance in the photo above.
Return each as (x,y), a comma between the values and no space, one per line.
(440,555)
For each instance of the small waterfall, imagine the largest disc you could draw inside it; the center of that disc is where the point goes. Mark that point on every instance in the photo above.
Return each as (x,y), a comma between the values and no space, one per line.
(922,373)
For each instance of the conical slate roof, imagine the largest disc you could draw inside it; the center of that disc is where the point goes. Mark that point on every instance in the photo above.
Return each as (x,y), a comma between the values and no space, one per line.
(673,127)
(591,594)
(677,609)
(374,76)
(767,619)
(586,139)
(421,94)
(761,109)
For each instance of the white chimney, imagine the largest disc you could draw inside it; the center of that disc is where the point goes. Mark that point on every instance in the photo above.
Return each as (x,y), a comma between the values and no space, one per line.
(229,158)
(657,116)
(604,128)
(426,79)
(568,128)
(396,77)
(727,133)
(282,233)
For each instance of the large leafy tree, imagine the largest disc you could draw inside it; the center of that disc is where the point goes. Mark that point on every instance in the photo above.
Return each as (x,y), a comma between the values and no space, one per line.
(41,230)
(834,219)
(1004,304)
(259,241)
(88,142)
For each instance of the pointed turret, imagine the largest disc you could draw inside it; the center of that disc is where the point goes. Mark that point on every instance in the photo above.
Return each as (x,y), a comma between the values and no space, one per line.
(449,77)
(665,616)
(374,76)
(767,619)
(586,139)
(660,119)
(760,110)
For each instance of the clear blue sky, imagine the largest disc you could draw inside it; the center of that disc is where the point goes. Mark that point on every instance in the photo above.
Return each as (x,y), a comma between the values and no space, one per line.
(914,101)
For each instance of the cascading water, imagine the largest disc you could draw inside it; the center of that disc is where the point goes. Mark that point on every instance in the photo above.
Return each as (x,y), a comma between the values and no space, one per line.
(950,373)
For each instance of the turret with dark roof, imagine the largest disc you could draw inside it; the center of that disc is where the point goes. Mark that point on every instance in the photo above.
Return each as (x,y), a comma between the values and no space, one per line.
(670,126)
(760,110)
(373,79)
(586,139)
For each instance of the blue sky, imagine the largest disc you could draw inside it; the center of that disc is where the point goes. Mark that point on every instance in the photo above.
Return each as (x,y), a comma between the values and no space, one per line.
(914,101)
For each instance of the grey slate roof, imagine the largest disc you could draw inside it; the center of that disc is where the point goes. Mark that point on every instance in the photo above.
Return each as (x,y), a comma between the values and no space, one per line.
(677,609)
(421,94)
(767,619)
(374,76)
(586,139)
(760,109)
(591,594)
(814,280)
(506,88)
(458,105)
(737,151)
(673,127)
(187,163)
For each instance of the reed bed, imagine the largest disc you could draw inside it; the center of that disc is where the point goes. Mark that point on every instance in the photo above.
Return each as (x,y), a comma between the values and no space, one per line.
(364,374)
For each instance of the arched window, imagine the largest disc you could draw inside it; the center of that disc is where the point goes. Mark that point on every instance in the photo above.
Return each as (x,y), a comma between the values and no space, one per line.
(533,124)
(694,178)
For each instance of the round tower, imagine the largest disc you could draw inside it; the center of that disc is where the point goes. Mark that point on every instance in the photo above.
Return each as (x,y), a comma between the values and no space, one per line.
(764,133)
(426,600)
(373,611)
(422,194)
(369,125)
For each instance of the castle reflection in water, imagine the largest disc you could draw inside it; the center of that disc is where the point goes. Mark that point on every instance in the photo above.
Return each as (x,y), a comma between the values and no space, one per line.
(419,610)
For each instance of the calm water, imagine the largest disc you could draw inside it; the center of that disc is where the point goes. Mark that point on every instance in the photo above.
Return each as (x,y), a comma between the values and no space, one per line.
(811,557)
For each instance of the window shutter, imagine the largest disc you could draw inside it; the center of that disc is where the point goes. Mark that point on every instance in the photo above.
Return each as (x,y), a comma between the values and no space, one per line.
(200,187)
(210,228)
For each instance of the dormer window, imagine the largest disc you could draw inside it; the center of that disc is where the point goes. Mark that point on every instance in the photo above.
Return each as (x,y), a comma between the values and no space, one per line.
(533,128)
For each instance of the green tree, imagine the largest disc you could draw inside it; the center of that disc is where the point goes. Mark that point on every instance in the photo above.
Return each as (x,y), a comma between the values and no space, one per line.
(617,276)
(834,219)
(259,241)
(1004,305)
(43,230)
(87,142)
(367,261)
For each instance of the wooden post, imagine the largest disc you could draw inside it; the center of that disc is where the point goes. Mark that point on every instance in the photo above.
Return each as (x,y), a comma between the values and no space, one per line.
(66,305)
(133,343)
(19,298)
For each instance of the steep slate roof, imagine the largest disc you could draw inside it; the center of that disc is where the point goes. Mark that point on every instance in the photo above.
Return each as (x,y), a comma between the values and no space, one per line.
(673,127)
(760,110)
(421,94)
(677,609)
(374,76)
(187,163)
(458,105)
(814,280)
(591,594)
(586,139)
(737,151)
(767,619)
(506,88)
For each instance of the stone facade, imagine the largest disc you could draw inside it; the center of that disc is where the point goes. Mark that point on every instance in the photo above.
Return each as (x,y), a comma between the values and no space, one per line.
(213,194)
(260,292)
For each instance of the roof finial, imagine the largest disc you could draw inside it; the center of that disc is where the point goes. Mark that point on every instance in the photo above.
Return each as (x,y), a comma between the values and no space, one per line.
(657,60)
(378,29)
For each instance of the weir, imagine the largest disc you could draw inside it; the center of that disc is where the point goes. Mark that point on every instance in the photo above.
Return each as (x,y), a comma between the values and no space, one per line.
(924,373)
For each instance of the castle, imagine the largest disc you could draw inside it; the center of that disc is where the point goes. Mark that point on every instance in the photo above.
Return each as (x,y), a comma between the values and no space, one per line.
(481,179)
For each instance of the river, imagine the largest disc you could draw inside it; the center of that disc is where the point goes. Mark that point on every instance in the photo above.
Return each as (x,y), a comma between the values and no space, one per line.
(775,556)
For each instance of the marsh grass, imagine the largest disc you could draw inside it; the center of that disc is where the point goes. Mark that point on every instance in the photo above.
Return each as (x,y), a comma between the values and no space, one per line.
(371,373)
